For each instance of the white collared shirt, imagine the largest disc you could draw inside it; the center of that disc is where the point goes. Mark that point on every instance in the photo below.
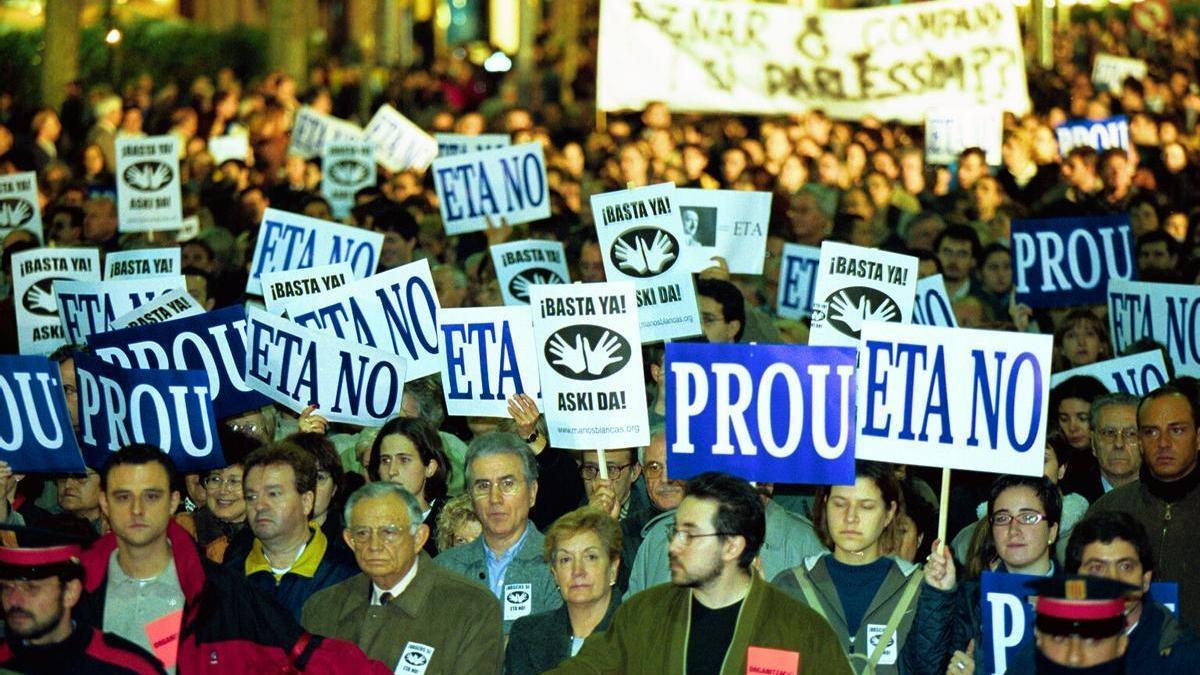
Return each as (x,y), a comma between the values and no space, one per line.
(396,590)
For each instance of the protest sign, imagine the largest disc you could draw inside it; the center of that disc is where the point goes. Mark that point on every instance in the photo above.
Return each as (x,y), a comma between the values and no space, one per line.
(641,241)
(298,367)
(148,196)
(142,263)
(797,281)
(290,241)
(20,208)
(280,289)
(1060,262)
(86,307)
(856,285)
(949,131)
(214,342)
(169,409)
(932,306)
(508,183)
(521,264)
(399,144)
(35,428)
(346,167)
(1137,374)
(1099,134)
(487,356)
(461,144)
(1168,314)
(395,311)
(313,129)
(775,413)
(225,148)
(1109,71)
(170,305)
(990,416)
(35,272)
(731,224)
(590,361)
(889,62)
(189,230)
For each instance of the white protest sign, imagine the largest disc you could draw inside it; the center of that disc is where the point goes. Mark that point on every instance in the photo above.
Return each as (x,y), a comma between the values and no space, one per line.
(522,264)
(346,168)
(148,192)
(174,304)
(395,311)
(297,367)
(508,183)
(87,307)
(399,144)
(590,361)
(281,289)
(142,263)
(797,281)
(290,241)
(753,57)
(233,146)
(487,356)
(39,330)
(460,144)
(1137,374)
(1169,314)
(641,238)
(727,223)
(856,285)
(190,229)
(1109,71)
(932,306)
(949,131)
(312,130)
(953,397)
(20,208)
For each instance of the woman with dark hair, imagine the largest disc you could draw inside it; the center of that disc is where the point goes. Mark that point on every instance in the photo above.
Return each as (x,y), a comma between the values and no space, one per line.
(409,451)
(1080,340)
(1071,406)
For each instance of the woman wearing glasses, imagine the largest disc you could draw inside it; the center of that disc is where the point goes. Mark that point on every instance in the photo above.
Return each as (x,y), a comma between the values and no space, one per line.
(867,596)
(409,451)
(222,518)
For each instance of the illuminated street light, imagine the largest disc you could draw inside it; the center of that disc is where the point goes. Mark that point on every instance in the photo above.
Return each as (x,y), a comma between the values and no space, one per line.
(113,36)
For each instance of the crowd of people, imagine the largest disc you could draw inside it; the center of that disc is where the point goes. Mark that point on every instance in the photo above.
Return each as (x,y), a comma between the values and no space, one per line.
(443,544)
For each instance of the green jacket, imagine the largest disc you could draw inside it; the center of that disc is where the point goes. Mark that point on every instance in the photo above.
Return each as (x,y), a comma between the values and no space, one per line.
(649,634)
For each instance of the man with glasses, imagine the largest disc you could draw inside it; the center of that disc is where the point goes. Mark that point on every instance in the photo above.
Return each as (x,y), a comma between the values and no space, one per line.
(716,615)
(502,482)
(404,610)
(620,496)
(1114,444)
(1166,500)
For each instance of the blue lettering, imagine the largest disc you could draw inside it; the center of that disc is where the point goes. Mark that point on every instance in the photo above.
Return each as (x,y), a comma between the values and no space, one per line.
(876,385)
(991,403)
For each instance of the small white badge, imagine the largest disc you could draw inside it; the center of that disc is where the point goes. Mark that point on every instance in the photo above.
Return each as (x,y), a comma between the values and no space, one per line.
(415,659)
(874,632)
(518,601)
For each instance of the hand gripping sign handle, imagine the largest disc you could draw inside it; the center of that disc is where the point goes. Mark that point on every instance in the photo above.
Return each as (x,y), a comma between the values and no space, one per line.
(943,509)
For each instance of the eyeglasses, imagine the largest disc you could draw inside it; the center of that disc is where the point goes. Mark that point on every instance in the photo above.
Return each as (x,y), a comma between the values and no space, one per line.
(215,483)
(1025,518)
(1111,434)
(590,471)
(684,538)
(653,469)
(388,534)
(508,485)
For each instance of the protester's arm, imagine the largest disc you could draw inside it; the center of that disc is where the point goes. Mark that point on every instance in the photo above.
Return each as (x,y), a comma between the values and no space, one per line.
(560,489)
(924,651)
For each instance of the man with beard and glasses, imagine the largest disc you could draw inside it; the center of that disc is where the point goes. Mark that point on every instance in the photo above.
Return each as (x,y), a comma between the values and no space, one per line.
(39,588)
(716,615)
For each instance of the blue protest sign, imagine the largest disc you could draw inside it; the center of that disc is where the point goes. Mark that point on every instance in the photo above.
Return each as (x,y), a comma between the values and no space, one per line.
(35,427)
(214,342)
(508,182)
(797,280)
(1137,374)
(1099,134)
(1060,262)
(1165,313)
(290,241)
(776,413)
(169,409)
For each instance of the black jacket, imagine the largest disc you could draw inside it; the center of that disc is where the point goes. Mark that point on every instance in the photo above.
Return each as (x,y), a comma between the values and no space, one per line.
(540,642)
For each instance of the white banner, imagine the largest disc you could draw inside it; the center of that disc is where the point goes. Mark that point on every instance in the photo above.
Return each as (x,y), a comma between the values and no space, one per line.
(39,330)
(932,306)
(395,311)
(142,263)
(312,130)
(281,289)
(1169,314)
(797,281)
(856,285)
(487,356)
(949,131)
(590,361)
(508,183)
(297,367)
(233,146)
(749,57)
(346,168)
(170,305)
(87,307)
(399,144)
(460,144)
(1109,71)
(641,239)
(727,223)
(522,264)
(1137,374)
(148,186)
(290,241)
(952,397)
(20,208)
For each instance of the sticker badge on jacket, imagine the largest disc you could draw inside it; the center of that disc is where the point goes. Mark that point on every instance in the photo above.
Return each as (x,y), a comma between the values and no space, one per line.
(414,660)
(518,601)
(874,632)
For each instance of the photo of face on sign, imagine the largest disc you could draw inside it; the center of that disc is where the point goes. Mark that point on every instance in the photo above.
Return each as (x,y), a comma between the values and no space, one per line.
(645,252)
(699,225)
